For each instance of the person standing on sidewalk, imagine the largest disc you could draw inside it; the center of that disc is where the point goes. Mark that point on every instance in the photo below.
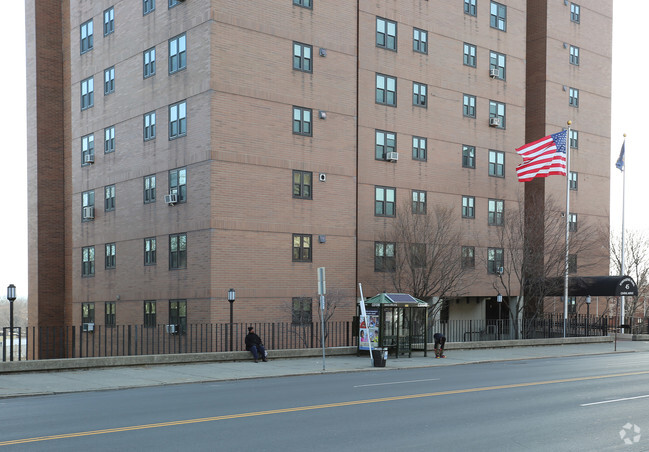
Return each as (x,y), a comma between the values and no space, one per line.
(440,340)
(254,345)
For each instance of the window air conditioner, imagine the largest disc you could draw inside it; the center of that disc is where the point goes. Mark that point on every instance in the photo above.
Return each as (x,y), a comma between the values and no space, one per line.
(494,72)
(171,199)
(171,329)
(392,156)
(88,327)
(89,213)
(494,122)
(89,158)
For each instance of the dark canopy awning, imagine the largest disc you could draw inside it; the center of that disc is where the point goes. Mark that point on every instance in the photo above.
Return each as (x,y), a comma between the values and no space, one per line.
(581,286)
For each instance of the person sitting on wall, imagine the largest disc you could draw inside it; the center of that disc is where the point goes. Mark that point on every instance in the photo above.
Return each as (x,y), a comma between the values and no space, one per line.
(254,345)
(440,340)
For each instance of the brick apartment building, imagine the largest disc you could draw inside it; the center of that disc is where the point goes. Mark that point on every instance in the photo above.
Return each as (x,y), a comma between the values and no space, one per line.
(183,148)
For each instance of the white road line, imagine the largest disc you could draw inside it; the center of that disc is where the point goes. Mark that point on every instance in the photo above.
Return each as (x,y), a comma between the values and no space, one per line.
(615,400)
(396,382)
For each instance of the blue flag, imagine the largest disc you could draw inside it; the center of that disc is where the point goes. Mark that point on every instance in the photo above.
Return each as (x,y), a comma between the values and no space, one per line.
(620,160)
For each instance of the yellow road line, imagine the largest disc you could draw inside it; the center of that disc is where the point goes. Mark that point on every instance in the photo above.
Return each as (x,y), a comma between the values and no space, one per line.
(312,407)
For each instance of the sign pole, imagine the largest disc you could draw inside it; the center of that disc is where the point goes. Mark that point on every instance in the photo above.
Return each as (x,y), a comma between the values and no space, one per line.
(367,330)
(322,290)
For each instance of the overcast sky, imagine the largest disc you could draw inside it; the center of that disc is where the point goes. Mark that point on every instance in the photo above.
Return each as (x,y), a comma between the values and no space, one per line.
(630,100)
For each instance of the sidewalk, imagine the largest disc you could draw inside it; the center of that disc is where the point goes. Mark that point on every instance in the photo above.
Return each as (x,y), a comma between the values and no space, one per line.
(46,383)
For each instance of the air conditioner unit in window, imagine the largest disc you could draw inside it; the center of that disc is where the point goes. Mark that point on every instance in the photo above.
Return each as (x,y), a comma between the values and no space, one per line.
(89,158)
(89,213)
(392,156)
(494,122)
(171,329)
(88,327)
(494,72)
(171,199)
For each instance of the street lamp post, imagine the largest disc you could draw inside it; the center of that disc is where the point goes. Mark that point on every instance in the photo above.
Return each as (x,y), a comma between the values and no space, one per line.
(231,298)
(588,315)
(11,296)
(499,299)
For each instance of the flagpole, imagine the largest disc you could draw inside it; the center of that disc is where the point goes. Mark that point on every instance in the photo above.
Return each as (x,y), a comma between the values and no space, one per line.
(623,202)
(567,257)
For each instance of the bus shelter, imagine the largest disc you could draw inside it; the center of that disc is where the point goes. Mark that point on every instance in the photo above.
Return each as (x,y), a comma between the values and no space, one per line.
(396,321)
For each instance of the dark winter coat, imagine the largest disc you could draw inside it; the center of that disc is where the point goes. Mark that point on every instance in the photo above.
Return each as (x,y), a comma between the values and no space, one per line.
(252,339)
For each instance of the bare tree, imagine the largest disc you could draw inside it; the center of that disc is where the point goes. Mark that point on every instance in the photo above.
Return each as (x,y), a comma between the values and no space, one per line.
(636,265)
(301,312)
(427,261)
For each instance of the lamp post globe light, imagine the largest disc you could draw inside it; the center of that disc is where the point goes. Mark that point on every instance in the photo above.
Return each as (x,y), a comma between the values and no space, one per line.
(11,296)
(231,298)
(499,299)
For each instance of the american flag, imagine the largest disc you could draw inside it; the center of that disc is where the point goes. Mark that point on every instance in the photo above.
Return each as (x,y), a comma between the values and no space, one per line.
(543,158)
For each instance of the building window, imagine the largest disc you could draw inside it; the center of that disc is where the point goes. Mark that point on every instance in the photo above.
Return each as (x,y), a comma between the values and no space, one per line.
(575,13)
(109,21)
(572,305)
(574,139)
(497,163)
(574,55)
(418,202)
(419,94)
(419,148)
(177,251)
(109,80)
(87,93)
(495,260)
(87,149)
(496,212)
(384,260)
(302,184)
(88,261)
(109,198)
(148,6)
(177,53)
(87,205)
(384,201)
(87,313)
(468,257)
(178,315)
(469,55)
(301,312)
(148,57)
(573,180)
(497,65)
(468,156)
(302,57)
(150,251)
(149,189)
(386,34)
(572,222)
(111,258)
(470,7)
(468,207)
(573,100)
(301,248)
(386,90)
(149,314)
(109,318)
(497,110)
(149,126)
(178,120)
(109,139)
(86,36)
(418,255)
(498,16)
(304,3)
(572,263)
(178,183)
(468,106)
(420,40)
(173,3)
(302,121)
(385,142)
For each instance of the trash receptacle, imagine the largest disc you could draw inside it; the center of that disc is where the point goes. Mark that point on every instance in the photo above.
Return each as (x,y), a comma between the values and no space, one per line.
(379,356)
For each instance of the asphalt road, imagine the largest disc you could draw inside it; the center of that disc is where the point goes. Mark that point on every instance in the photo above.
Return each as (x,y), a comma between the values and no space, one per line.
(564,404)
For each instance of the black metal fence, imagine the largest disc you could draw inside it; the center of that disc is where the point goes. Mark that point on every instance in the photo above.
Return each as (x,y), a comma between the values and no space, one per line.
(129,340)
